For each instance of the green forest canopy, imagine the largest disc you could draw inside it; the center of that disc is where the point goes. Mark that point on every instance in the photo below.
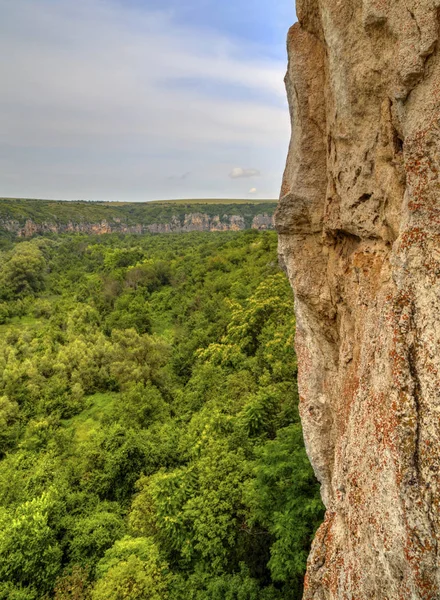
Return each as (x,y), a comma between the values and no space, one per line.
(150,445)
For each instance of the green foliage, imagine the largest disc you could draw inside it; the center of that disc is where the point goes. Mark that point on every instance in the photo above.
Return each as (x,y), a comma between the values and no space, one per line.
(132,569)
(29,553)
(284,497)
(202,585)
(4,312)
(73,584)
(9,424)
(92,535)
(150,444)
(9,591)
(22,271)
(141,406)
(130,311)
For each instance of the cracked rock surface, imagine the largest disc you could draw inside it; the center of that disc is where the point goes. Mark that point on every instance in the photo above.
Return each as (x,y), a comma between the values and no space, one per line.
(359,235)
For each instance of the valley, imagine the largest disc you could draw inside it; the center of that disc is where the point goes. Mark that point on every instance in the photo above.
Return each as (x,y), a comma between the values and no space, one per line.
(150,442)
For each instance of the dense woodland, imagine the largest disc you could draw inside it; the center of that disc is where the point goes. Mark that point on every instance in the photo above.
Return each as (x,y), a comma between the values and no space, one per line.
(150,445)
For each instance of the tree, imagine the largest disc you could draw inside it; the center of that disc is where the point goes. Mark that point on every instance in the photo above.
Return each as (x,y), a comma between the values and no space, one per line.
(132,570)
(23,271)
(73,584)
(130,312)
(140,406)
(9,424)
(29,553)
(285,498)
(92,535)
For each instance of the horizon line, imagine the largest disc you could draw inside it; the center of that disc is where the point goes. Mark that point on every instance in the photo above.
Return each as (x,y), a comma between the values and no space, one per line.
(232,200)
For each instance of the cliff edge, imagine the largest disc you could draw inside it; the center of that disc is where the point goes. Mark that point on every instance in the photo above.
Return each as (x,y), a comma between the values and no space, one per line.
(27,217)
(359,234)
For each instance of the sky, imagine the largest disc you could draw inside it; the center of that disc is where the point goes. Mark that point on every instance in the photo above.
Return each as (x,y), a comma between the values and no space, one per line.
(140,100)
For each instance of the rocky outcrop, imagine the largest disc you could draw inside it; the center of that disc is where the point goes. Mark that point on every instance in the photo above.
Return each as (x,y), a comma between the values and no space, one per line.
(359,234)
(199,222)
(262,222)
(190,222)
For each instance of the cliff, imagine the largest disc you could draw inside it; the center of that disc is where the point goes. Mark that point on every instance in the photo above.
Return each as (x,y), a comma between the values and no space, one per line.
(359,234)
(26,218)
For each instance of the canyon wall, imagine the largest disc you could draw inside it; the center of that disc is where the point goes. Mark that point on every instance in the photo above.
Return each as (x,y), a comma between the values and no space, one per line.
(359,235)
(189,222)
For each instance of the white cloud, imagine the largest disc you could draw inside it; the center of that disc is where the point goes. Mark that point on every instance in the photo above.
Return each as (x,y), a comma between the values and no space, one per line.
(91,103)
(252,191)
(238,172)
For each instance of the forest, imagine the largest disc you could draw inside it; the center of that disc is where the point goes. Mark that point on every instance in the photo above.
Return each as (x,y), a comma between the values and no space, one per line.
(150,443)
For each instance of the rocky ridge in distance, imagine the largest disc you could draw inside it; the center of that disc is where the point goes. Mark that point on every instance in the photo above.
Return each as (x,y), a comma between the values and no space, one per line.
(26,218)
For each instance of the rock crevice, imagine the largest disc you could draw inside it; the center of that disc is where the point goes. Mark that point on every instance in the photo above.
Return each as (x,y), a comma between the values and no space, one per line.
(359,235)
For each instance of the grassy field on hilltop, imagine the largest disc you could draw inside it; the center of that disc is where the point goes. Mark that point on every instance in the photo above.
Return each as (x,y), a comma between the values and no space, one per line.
(217,201)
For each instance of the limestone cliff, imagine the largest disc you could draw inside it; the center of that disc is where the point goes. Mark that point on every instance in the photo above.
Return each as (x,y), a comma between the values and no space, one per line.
(190,222)
(359,231)
(92,218)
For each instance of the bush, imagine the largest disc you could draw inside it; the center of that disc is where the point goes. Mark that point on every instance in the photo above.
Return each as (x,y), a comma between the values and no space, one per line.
(132,570)
(29,553)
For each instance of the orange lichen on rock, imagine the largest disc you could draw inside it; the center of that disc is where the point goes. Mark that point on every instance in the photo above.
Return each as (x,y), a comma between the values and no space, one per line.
(359,235)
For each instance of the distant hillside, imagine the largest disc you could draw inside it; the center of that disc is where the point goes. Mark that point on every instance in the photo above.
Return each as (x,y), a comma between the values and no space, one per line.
(26,217)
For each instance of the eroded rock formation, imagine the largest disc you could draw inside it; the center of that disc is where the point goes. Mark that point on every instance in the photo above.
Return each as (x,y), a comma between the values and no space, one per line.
(189,222)
(359,225)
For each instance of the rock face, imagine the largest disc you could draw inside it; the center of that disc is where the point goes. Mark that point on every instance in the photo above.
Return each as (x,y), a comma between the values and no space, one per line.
(359,231)
(263,221)
(190,222)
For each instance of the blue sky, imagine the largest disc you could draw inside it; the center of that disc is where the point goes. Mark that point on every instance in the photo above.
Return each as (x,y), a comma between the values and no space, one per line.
(143,99)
